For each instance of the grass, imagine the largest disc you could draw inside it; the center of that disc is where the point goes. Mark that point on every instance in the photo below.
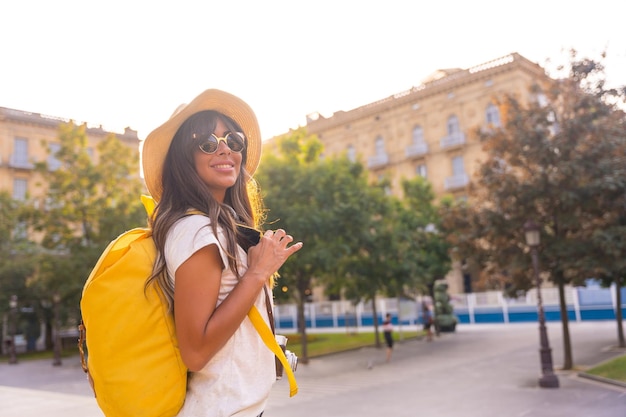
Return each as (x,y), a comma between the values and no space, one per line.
(43,354)
(318,344)
(325,343)
(614,369)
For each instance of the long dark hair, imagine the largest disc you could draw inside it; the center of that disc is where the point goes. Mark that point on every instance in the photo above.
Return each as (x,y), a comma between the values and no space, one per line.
(184,190)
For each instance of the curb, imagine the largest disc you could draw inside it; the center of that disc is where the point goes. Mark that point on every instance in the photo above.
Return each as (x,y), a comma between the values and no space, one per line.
(602,379)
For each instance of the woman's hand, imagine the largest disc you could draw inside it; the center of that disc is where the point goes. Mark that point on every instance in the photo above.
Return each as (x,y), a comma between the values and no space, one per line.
(270,254)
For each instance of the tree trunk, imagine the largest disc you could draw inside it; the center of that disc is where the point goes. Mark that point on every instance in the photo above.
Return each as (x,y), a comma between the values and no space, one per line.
(618,312)
(49,345)
(304,357)
(375,318)
(568,362)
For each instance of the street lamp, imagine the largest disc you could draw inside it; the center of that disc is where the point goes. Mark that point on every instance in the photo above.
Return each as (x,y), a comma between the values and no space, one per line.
(56,299)
(12,329)
(548,379)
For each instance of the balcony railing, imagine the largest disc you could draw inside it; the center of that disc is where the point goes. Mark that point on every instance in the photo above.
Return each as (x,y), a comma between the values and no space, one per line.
(19,161)
(456,181)
(454,139)
(416,149)
(377,161)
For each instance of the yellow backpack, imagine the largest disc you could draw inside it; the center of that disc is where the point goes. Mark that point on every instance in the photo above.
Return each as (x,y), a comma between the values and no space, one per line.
(132,361)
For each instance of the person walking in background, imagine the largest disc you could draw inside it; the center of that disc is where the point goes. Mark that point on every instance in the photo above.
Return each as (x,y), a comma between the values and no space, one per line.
(427,319)
(198,167)
(388,332)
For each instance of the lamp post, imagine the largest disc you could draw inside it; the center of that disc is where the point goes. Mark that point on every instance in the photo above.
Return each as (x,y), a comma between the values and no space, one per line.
(12,329)
(548,379)
(56,299)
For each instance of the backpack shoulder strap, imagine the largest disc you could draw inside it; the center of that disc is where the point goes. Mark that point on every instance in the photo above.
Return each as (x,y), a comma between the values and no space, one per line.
(270,341)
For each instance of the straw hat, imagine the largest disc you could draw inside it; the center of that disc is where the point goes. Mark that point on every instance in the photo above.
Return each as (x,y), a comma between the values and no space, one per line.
(157,144)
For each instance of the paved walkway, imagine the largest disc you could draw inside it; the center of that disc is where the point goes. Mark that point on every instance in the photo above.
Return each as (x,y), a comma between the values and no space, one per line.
(479,371)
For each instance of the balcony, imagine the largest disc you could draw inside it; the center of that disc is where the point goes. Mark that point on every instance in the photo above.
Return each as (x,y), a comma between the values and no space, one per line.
(454,139)
(416,149)
(20,162)
(456,181)
(377,161)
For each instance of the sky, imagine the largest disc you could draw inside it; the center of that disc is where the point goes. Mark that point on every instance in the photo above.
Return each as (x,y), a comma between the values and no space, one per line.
(130,63)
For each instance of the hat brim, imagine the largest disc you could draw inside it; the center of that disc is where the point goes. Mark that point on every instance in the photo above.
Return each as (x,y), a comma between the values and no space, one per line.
(157,143)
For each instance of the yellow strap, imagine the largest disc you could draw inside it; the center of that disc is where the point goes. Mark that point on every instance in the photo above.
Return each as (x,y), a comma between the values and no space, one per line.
(270,341)
(148,203)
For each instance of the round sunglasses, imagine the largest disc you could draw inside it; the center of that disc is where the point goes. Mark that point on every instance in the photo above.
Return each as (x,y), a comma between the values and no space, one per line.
(236,142)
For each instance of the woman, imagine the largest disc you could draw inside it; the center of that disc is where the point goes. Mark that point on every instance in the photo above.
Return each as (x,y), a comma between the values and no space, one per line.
(198,167)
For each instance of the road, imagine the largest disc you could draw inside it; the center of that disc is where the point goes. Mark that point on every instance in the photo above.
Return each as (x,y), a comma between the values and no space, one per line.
(479,371)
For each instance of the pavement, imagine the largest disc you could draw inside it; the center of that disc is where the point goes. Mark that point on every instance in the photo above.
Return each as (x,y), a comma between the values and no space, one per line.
(478,371)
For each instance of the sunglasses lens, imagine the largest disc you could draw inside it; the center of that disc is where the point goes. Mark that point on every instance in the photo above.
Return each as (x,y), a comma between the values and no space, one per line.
(235,142)
(209,145)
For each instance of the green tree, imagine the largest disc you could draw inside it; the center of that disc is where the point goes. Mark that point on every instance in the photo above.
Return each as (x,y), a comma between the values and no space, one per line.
(16,264)
(544,165)
(371,266)
(399,250)
(608,238)
(90,199)
(318,202)
(428,248)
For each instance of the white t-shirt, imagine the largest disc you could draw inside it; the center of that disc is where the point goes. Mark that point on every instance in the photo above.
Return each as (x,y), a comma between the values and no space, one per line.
(238,379)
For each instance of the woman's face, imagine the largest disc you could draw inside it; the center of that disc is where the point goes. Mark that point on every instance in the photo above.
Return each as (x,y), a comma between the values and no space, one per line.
(219,170)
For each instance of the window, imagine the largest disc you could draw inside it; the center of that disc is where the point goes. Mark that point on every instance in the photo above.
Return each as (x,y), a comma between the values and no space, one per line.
(421,170)
(380,157)
(418,135)
(351,153)
(418,146)
(20,186)
(458,167)
(53,162)
(492,115)
(20,152)
(379,146)
(459,178)
(453,125)
(455,137)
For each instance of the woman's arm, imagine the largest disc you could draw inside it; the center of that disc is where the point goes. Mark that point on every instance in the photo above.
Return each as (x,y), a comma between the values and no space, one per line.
(201,328)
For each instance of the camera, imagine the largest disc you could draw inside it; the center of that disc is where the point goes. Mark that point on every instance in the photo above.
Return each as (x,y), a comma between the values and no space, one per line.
(292,359)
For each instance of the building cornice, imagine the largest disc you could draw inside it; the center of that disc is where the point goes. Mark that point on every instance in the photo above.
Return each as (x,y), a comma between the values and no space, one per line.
(445,84)
(37,119)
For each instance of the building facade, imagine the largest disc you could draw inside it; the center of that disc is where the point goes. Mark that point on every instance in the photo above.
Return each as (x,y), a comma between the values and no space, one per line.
(28,138)
(430,130)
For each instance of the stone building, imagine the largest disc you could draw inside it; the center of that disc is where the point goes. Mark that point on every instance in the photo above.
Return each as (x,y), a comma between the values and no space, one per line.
(430,130)
(27,138)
